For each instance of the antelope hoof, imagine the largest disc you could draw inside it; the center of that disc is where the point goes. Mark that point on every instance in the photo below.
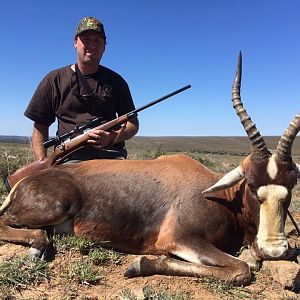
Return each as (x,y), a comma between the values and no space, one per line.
(49,252)
(34,253)
(134,269)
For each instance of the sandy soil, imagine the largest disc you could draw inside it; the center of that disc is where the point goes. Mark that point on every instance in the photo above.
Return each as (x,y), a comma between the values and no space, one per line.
(112,282)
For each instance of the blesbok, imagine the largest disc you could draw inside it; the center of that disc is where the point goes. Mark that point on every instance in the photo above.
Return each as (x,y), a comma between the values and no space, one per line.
(173,206)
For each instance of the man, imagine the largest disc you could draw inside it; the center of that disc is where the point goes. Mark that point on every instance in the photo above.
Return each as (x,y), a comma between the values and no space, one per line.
(79,93)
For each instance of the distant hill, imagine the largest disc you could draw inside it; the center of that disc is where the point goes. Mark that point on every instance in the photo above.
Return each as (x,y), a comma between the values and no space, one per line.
(14,139)
(212,144)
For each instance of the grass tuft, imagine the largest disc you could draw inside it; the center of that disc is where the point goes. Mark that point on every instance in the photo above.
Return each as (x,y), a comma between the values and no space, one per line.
(71,242)
(149,293)
(100,256)
(96,254)
(83,271)
(23,271)
(225,289)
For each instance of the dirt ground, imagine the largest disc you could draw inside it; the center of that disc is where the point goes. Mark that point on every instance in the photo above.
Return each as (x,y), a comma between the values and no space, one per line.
(113,283)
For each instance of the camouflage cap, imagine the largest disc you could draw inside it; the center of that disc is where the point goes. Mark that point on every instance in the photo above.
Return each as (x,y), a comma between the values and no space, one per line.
(90,23)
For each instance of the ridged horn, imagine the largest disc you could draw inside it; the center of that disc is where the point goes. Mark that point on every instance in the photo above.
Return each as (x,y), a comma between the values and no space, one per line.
(259,149)
(284,147)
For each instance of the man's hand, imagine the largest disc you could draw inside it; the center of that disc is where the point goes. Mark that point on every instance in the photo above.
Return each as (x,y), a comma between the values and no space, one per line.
(104,139)
(100,138)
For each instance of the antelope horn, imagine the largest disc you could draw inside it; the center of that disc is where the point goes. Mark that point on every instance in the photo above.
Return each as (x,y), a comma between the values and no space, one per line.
(259,149)
(284,147)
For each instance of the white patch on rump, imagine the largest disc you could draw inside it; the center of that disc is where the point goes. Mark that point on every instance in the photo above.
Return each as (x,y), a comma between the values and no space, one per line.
(272,167)
(271,239)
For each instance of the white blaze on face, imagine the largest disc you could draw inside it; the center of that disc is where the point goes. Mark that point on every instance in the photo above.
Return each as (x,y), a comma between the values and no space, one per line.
(271,239)
(272,167)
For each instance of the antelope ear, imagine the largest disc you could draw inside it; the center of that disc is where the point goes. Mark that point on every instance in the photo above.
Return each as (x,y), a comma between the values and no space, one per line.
(298,170)
(227,180)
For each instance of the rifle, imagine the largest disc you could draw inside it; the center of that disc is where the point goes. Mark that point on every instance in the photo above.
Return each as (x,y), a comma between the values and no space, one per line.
(66,146)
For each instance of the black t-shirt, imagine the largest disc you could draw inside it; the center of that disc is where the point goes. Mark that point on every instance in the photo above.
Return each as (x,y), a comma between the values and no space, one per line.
(60,96)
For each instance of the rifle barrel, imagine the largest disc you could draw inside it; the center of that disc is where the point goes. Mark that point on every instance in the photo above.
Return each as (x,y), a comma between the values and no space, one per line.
(161,99)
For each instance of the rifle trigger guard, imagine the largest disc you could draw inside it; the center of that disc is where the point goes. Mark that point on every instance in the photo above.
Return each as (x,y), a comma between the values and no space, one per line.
(62,146)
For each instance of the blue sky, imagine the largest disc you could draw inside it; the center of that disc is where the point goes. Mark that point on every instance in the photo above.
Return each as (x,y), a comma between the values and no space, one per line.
(159,46)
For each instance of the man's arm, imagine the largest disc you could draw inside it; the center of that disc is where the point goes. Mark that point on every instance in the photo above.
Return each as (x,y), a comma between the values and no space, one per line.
(130,130)
(39,135)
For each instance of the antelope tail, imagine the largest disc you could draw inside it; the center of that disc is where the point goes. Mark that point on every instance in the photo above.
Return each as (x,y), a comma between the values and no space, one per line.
(7,201)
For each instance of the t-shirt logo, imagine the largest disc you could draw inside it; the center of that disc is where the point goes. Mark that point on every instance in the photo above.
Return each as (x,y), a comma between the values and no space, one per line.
(106,90)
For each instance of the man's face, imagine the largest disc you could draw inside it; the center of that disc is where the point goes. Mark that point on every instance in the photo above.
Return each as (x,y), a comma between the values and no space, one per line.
(90,47)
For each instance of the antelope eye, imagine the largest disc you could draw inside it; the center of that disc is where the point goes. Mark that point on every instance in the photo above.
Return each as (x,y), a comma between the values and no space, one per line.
(252,188)
(254,192)
(260,200)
